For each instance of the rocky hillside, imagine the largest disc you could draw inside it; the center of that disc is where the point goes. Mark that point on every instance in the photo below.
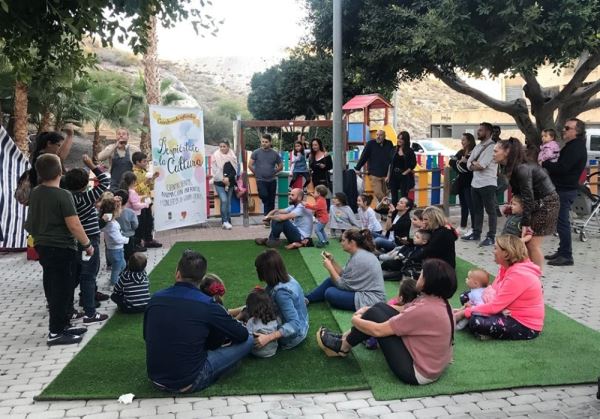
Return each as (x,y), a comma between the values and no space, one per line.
(205,81)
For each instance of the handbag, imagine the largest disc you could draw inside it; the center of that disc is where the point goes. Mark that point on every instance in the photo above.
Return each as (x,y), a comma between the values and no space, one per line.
(23,189)
(240,189)
(455,186)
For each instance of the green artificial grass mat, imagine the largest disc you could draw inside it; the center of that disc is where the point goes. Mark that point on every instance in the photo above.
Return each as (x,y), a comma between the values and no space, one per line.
(114,361)
(567,352)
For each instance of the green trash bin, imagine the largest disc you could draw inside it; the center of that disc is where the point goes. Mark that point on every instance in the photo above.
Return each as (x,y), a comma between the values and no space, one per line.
(282,189)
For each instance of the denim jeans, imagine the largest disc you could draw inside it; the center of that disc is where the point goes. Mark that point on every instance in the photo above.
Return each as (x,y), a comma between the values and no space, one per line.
(59,270)
(116,257)
(320,232)
(484,198)
(386,245)
(225,199)
(267,190)
(466,206)
(338,298)
(87,272)
(289,230)
(563,226)
(220,361)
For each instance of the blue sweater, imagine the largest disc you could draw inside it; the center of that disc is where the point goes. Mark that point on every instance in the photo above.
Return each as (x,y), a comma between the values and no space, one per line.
(180,324)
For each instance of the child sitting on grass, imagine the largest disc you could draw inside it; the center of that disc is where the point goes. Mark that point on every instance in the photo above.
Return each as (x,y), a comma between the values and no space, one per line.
(131,294)
(321,214)
(367,216)
(479,292)
(341,216)
(214,287)
(513,221)
(405,261)
(262,319)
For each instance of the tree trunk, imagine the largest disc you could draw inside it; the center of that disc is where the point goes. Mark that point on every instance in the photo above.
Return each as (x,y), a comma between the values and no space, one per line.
(20,114)
(152,80)
(96,143)
(45,122)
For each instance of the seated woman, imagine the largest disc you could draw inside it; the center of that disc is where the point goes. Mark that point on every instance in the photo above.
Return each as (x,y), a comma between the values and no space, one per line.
(517,310)
(416,339)
(359,283)
(397,225)
(288,295)
(443,236)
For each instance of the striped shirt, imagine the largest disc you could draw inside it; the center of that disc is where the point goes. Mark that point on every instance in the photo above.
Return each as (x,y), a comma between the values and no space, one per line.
(85,203)
(134,288)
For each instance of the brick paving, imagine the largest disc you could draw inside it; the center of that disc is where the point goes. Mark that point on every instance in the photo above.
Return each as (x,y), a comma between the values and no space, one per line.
(27,364)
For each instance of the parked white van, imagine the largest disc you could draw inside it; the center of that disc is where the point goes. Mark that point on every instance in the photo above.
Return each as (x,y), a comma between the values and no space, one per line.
(593,143)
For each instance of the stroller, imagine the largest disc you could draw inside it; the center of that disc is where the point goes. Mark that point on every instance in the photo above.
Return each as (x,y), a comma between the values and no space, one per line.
(586,209)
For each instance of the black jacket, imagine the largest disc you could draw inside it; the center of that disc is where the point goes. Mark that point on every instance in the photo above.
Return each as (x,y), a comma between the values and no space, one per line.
(565,172)
(401,228)
(441,245)
(379,157)
(465,176)
(531,183)
(400,164)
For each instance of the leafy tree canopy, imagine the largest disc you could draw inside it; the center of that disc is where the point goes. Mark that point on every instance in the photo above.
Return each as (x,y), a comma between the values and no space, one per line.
(386,42)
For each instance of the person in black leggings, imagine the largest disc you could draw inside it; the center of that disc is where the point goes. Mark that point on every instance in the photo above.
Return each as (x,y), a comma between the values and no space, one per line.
(406,333)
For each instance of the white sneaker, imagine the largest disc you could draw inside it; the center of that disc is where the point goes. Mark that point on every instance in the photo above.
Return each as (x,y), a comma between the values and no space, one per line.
(227,225)
(468,232)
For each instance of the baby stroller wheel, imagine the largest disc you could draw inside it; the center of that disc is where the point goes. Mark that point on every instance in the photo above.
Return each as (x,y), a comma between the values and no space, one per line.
(583,237)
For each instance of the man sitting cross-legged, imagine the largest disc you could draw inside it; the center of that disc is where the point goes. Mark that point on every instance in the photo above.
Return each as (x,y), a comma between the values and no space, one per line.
(295,222)
(191,340)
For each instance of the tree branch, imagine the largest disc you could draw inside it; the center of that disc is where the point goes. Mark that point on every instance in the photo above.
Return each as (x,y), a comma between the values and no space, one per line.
(454,82)
(592,104)
(585,93)
(583,70)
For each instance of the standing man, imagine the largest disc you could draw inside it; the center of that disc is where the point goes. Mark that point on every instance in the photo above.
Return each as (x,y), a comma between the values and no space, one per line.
(378,155)
(565,173)
(483,186)
(295,222)
(185,331)
(496,131)
(266,163)
(119,157)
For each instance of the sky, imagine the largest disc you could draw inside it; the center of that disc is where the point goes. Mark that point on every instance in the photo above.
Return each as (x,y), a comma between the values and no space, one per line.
(251,28)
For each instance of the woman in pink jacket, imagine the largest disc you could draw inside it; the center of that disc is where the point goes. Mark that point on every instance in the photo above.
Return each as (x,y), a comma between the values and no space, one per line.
(517,311)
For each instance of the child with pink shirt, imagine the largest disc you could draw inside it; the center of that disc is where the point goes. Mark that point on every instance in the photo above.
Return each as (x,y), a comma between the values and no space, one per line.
(128,182)
(550,149)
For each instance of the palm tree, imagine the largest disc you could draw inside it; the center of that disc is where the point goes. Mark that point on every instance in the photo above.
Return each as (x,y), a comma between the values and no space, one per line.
(151,82)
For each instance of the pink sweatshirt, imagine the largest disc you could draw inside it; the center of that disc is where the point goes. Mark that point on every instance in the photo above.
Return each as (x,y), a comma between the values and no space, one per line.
(519,290)
(425,328)
(135,203)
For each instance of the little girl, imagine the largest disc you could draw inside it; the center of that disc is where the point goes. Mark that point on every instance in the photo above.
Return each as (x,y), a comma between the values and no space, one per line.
(110,209)
(367,216)
(341,216)
(321,214)
(513,220)
(131,292)
(134,202)
(128,222)
(213,286)
(263,319)
(550,148)
(298,163)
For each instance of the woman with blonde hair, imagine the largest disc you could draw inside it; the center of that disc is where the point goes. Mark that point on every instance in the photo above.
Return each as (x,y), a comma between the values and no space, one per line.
(517,310)
(441,245)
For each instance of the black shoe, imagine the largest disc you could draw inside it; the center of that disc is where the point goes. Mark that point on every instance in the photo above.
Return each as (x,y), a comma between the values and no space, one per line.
(95,318)
(552,256)
(498,212)
(100,296)
(62,339)
(330,343)
(488,241)
(471,237)
(75,330)
(561,261)
(139,249)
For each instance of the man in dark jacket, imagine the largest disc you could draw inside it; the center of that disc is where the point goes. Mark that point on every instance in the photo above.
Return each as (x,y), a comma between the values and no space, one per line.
(378,155)
(565,174)
(185,330)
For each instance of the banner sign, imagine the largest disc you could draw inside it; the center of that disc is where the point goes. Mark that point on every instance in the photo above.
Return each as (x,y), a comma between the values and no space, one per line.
(177,136)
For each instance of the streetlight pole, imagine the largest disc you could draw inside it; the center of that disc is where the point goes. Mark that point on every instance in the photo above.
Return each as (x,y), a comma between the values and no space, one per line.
(338,143)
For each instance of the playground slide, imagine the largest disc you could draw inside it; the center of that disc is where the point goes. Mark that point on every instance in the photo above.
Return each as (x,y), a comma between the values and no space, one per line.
(390,132)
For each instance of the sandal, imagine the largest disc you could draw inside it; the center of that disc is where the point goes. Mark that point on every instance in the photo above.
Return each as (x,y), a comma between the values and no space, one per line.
(330,343)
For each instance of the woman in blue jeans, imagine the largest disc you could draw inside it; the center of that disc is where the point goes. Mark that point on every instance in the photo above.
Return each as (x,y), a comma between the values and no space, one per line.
(223,164)
(359,283)
(288,296)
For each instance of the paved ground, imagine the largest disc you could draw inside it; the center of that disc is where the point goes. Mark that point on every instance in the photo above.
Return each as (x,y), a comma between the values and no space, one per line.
(27,364)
